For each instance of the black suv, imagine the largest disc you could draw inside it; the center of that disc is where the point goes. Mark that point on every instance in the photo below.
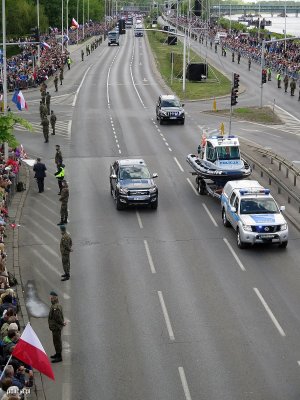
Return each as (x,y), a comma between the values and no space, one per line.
(169,108)
(132,184)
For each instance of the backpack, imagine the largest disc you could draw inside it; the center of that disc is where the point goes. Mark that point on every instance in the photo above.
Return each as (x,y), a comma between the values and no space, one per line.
(21,186)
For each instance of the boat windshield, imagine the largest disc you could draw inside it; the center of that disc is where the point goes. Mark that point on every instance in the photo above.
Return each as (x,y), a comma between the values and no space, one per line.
(228,152)
(258,206)
(134,172)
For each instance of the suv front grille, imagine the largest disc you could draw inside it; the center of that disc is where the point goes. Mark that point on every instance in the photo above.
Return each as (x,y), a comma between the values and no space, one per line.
(173,113)
(265,229)
(138,193)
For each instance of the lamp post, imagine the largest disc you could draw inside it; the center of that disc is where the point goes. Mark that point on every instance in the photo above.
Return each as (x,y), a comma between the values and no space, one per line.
(38,28)
(62,26)
(4,58)
(67,22)
(83,19)
(88,11)
(77,21)
(285,25)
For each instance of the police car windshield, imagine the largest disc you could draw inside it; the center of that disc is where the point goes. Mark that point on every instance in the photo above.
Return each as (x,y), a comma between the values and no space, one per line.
(258,206)
(228,152)
(170,103)
(134,172)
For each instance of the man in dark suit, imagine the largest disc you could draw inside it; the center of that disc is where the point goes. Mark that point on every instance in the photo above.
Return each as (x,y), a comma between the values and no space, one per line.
(40,173)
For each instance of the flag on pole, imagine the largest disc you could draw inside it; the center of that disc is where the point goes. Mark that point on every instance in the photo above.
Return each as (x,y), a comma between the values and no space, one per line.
(45,45)
(19,100)
(75,23)
(30,350)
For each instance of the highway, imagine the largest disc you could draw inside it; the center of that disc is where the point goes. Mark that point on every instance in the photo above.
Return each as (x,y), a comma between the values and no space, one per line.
(161,304)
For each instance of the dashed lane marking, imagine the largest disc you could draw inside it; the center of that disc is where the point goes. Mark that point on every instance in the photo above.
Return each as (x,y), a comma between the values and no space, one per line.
(234,254)
(150,260)
(184,383)
(166,316)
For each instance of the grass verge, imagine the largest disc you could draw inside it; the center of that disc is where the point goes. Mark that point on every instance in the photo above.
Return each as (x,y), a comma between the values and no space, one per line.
(264,115)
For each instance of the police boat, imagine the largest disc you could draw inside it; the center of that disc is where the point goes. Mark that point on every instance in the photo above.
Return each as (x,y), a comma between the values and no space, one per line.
(219,160)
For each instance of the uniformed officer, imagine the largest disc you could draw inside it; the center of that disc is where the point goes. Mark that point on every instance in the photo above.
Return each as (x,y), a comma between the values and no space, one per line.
(249,64)
(69,62)
(41,110)
(64,198)
(61,75)
(58,156)
(232,56)
(43,96)
(293,87)
(56,323)
(56,83)
(53,122)
(82,55)
(60,175)
(65,249)
(286,83)
(239,57)
(48,99)
(45,124)
(278,77)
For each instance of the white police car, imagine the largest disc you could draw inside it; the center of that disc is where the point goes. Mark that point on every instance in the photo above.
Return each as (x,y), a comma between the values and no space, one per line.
(252,211)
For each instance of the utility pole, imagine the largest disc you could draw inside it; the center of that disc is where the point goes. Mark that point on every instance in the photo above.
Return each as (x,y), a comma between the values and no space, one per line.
(4,58)
(62,26)
(38,28)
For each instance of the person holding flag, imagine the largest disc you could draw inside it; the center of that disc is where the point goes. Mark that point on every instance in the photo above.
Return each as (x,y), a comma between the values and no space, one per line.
(19,100)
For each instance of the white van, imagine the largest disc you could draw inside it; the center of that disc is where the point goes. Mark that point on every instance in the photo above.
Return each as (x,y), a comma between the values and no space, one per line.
(219,36)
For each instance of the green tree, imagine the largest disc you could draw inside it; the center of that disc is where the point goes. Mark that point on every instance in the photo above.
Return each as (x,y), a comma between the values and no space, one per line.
(7,123)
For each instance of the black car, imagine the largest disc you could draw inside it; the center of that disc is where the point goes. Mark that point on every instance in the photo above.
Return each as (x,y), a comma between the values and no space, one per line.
(169,108)
(132,184)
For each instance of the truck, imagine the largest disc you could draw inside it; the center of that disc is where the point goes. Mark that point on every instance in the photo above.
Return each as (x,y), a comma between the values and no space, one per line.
(113,37)
(253,213)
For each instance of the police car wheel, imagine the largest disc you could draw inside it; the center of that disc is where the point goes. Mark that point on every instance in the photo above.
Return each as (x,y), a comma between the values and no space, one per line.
(225,220)
(240,244)
(160,121)
(283,245)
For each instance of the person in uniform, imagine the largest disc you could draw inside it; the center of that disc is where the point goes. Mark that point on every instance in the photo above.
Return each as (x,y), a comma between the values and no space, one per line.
(82,55)
(41,110)
(56,83)
(58,156)
(43,96)
(239,57)
(40,174)
(56,323)
(64,198)
(48,99)
(232,56)
(60,175)
(278,77)
(65,250)
(69,62)
(249,64)
(61,75)
(286,83)
(293,87)
(53,122)
(45,124)
(269,74)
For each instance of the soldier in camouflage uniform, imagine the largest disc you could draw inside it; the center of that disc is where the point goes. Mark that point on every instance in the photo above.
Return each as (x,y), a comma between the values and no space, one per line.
(48,99)
(56,82)
(64,198)
(45,124)
(65,249)
(56,323)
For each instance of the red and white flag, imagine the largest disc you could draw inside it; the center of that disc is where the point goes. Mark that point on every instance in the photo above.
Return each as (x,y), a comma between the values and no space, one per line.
(30,350)
(75,23)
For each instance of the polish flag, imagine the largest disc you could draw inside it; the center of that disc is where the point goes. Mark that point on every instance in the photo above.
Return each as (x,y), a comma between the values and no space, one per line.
(45,45)
(30,350)
(19,100)
(75,23)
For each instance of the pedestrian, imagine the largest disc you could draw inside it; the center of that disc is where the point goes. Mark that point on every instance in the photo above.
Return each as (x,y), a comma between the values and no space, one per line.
(43,96)
(56,83)
(65,250)
(61,75)
(249,64)
(40,174)
(224,52)
(82,55)
(42,110)
(239,57)
(45,124)
(286,83)
(56,323)
(48,99)
(64,198)
(269,73)
(58,156)
(86,50)
(278,77)
(293,87)
(69,62)
(53,122)
(299,95)
(232,56)
(60,175)
(216,48)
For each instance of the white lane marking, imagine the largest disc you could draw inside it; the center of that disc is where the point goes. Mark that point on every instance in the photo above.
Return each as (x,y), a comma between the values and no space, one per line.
(184,383)
(192,186)
(298,362)
(164,139)
(271,315)
(169,149)
(210,215)
(234,255)
(46,279)
(270,134)
(67,329)
(291,115)
(139,219)
(179,165)
(69,127)
(166,316)
(79,87)
(153,270)
(120,151)
(107,79)
(132,79)
(66,391)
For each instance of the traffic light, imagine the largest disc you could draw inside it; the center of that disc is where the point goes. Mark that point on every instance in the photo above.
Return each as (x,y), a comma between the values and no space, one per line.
(236,81)
(234,96)
(264,76)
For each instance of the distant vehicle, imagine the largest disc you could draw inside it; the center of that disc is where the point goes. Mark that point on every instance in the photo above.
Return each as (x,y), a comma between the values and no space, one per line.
(139,30)
(169,108)
(219,36)
(132,184)
(113,37)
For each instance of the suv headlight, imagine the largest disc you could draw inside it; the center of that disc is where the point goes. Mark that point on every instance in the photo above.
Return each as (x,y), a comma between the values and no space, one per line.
(163,112)
(283,227)
(153,189)
(123,190)
(247,228)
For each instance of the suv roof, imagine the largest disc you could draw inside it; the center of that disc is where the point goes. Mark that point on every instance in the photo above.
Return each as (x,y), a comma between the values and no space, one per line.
(168,96)
(132,161)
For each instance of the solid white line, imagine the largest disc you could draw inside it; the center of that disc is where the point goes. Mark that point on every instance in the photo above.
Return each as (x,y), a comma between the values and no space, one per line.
(79,87)
(133,82)
(139,219)
(66,391)
(234,254)
(210,215)
(153,270)
(291,115)
(184,383)
(192,186)
(69,127)
(179,165)
(271,315)
(166,316)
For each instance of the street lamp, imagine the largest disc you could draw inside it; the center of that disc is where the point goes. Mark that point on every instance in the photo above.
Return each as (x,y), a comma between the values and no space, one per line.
(77,21)
(62,25)
(83,19)
(4,58)
(67,24)
(38,28)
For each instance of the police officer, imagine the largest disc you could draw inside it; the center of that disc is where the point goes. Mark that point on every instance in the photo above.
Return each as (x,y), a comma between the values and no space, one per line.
(41,110)
(56,323)
(53,122)
(56,83)
(45,124)
(64,198)
(60,174)
(82,55)
(239,57)
(48,99)
(40,173)
(293,87)
(286,83)
(65,249)
(232,56)
(278,77)
(58,156)
(269,73)
(69,62)
(43,96)
(61,75)
(249,64)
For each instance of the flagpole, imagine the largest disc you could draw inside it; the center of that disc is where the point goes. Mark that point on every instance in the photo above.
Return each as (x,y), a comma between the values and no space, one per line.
(62,26)
(83,19)
(67,17)
(2,373)
(4,58)
(77,21)
(38,28)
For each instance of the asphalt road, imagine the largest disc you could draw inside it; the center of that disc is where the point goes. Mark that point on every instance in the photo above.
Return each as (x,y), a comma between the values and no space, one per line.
(161,304)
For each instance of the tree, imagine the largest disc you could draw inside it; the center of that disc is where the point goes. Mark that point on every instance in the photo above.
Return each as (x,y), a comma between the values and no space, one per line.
(7,123)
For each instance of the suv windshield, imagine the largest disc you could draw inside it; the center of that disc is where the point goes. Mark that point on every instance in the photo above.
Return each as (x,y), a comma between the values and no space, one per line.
(258,206)
(170,103)
(134,172)
(228,153)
